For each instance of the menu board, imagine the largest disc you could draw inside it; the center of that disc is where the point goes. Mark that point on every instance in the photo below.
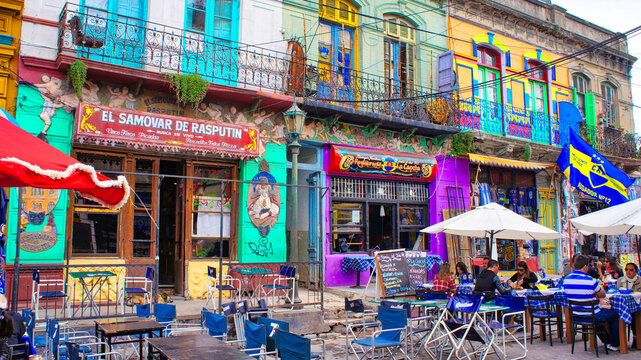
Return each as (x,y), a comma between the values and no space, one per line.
(417,267)
(393,272)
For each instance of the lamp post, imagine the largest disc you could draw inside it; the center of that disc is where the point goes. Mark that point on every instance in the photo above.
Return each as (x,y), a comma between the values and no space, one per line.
(294,121)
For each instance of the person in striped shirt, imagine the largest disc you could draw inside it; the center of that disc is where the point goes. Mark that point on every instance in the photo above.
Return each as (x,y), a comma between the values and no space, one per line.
(579,286)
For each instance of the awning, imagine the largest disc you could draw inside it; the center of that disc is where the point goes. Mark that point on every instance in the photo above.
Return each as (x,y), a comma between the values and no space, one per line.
(508,163)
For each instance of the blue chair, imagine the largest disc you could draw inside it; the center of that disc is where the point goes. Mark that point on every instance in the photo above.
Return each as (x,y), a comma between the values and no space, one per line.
(143,311)
(357,326)
(57,337)
(73,351)
(271,325)
(216,325)
(279,286)
(435,295)
(48,289)
(224,283)
(389,337)
(295,347)
(135,285)
(258,311)
(508,328)
(256,340)
(29,318)
(165,313)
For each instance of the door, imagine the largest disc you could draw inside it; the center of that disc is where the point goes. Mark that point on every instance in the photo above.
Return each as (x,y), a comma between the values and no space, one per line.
(548,248)
(171,238)
(314,217)
(539,114)
(120,24)
(490,101)
(335,55)
(381,226)
(209,47)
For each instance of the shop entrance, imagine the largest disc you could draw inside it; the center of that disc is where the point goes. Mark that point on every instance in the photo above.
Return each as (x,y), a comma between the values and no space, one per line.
(170,251)
(381,228)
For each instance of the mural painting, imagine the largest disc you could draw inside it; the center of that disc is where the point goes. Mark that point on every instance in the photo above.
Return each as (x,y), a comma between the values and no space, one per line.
(38,223)
(263,207)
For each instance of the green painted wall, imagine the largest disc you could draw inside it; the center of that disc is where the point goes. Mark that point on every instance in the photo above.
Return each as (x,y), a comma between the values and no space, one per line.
(426,15)
(275,248)
(28,109)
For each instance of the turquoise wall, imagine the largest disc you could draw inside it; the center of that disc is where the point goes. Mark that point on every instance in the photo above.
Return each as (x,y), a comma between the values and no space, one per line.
(251,248)
(28,109)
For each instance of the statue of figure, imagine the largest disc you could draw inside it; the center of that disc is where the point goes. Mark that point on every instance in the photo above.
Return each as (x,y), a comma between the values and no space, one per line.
(50,90)
(214,111)
(118,97)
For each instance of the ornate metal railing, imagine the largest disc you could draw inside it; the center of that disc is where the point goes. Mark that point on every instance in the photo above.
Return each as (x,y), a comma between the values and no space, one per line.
(99,35)
(611,141)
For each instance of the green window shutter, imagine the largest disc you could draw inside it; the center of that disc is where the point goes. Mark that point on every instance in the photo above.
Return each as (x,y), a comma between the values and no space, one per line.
(575,99)
(590,118)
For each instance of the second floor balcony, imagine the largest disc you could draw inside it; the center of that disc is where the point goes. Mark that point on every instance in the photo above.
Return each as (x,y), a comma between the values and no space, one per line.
(97,35)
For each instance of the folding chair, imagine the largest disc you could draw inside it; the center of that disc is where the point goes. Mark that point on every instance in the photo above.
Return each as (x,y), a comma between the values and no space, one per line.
(57,337)
(271,325)
(135,285)
(261,310)
(296,347)
(418,327)
(256,340)
(280,285)
(355,327)
(74,350)
(225,283)
(48,289)
(215,324)
(390,336)
(507,328)
(457,332)
(19,352)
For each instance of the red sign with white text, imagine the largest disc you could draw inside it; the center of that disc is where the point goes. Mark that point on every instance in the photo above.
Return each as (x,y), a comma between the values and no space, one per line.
(115,125)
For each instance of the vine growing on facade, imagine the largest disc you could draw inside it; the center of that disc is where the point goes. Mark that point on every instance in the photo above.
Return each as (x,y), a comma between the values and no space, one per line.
(78,74)
(189,89)
(527,152)
(462,143)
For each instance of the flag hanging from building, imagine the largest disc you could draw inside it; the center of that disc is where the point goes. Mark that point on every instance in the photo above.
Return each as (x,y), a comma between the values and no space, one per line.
(592,173)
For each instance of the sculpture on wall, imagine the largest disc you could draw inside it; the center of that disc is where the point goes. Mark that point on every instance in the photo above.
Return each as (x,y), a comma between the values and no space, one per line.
(263,200)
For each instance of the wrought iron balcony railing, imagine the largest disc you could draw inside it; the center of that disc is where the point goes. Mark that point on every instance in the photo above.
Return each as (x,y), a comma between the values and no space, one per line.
(99,35)
(611,141)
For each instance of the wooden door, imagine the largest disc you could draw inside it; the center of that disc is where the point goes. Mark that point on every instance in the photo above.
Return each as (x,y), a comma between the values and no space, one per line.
(548,248)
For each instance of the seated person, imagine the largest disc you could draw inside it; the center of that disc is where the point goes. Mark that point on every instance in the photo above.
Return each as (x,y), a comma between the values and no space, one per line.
(581,287)
(592,270)
(444,280)
(6,332)
(18,326)
(488,282)
(524,278)
(631,280)
(463,276)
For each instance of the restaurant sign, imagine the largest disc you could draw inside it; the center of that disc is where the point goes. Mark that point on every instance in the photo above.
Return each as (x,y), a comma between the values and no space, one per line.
(114,126)
(345,160)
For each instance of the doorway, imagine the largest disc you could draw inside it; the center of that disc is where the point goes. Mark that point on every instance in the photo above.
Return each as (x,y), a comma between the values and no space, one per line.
(381,226)
(171,235)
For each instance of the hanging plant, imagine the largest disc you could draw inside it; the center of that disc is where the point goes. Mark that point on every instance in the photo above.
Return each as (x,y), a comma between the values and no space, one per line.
(189,89)
(462,143)
(527,152)
(78,74)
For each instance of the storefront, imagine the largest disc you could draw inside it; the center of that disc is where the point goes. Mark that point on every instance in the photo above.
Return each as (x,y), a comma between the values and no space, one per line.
(516,185)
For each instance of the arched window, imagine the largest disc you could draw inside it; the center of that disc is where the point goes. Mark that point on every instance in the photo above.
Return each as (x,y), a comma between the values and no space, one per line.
(609,99)
(489,61)
(581,84)
(399,56)
(538,86)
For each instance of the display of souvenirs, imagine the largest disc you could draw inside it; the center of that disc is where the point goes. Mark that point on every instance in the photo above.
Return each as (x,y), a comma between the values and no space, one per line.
(521,200)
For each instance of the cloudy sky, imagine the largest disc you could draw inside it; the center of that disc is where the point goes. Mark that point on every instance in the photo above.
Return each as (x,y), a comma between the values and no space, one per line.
(620,16)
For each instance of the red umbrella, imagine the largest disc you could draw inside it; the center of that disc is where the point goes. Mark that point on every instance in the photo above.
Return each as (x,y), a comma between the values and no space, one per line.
(26,160)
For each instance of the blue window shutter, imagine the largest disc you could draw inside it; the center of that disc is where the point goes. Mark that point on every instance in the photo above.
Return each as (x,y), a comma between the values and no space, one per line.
(475,85)
(554,110)
(446,80)
(509,96)
(474,51)
(524,63)
(553,73)
(508,59)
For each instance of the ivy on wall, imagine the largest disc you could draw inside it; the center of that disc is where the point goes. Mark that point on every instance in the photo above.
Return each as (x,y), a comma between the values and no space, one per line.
(189,89)
(78,74)
(462,143)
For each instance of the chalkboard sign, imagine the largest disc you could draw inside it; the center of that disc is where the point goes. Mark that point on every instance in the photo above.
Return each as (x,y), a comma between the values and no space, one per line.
(393,272)
(417,267)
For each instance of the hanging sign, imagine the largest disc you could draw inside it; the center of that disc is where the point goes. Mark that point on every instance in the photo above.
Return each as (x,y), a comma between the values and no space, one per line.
(345,160)
(113,126)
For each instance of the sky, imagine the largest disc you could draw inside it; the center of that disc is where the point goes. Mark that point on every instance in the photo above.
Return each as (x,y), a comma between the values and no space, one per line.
(619,16)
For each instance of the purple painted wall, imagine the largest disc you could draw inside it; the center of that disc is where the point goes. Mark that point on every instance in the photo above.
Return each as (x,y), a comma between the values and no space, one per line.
(452,171)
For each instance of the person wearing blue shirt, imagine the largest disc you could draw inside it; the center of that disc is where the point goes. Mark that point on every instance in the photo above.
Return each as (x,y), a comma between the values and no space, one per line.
(579,286)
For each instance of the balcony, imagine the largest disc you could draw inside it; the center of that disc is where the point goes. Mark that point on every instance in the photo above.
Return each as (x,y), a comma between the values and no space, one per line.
(611,140)
(108,38)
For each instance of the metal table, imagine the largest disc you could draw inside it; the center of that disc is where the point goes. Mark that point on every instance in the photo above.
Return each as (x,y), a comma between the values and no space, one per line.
(91,282)
(247,275)
(193,346)
(108,330)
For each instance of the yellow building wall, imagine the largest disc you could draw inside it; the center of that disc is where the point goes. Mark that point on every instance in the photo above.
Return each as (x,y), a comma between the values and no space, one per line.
(10,25)
(108,290)
(197,279)
(466,64)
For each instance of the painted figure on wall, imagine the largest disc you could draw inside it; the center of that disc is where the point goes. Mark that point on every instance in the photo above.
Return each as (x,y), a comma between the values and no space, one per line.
(263,200)
(40,232)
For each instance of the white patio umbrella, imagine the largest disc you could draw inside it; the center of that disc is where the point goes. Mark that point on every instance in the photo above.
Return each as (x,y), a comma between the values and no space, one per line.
(615,220)
(493,221)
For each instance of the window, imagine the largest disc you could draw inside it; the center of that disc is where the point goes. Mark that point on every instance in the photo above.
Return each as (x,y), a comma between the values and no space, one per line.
(488,57)
(609,96)
(412,220)
(95,228)
(538,88)
(582,86)
(348,227)
(144,185)
(537,70)
(340,11)
(211,211)
(399,56)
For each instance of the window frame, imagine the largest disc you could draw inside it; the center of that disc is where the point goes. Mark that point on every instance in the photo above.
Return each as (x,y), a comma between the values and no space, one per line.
(609,103)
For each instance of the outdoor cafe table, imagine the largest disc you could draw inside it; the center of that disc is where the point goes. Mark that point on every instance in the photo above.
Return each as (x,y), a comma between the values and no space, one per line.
(358,263)
(108,330)
(248,276)
(92,283)
(193,346)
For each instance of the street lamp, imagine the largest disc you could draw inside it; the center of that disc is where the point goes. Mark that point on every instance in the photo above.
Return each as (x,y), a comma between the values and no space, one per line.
(294,121)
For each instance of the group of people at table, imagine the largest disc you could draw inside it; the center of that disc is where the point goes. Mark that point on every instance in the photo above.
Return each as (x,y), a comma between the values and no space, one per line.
(580,284)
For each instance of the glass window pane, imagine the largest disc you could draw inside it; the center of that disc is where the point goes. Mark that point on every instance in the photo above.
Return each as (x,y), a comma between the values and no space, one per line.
(195,20)
(142,231)
(412,215)
(197,4)
(223,8)
(143,183)
(95,233)
(347,214)
(101,163)
(209,223)
(408,240)
(203,248)
(348,242)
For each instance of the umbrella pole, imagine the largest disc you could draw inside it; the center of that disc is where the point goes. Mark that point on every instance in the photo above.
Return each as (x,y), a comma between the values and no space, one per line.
(16,262)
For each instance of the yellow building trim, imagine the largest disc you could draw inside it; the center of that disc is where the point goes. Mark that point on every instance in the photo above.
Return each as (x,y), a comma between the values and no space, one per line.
(537,55)
(508,163)
(493,40)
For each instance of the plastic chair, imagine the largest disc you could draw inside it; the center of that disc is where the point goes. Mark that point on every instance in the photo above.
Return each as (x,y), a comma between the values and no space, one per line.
(389,337)
(135,285)
(508,329)
(48,289)
(296,347)
(225,283)
(280,284)
(580,316)
(541,314)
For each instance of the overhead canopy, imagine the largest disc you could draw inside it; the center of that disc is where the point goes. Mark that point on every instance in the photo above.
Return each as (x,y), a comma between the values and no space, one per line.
(26,160)
(615,220)
(508,163)
(493,221)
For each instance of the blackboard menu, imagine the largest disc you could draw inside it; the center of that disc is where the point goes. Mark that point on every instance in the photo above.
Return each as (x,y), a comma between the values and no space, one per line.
(417,267)
(393,270)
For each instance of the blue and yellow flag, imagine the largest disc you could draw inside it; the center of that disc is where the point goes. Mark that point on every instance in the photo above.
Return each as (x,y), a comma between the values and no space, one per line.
(592,173)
